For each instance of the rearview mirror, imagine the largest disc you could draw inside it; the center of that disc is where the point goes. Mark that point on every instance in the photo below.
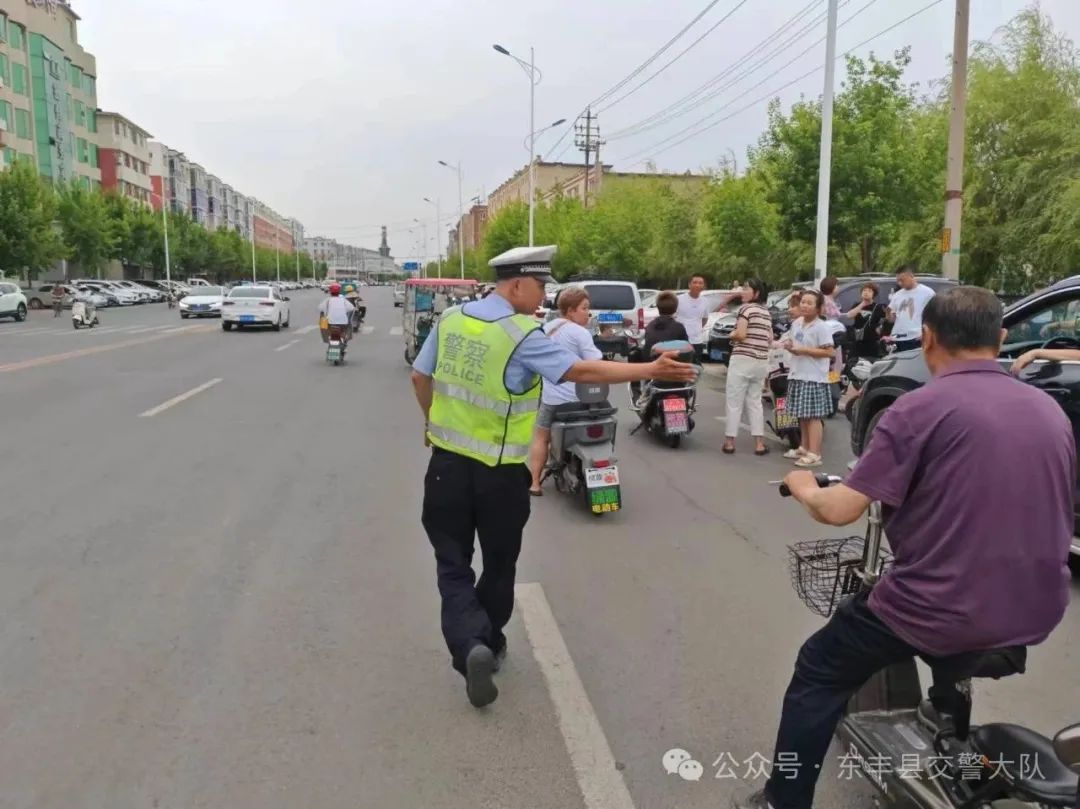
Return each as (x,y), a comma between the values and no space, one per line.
(1067,746)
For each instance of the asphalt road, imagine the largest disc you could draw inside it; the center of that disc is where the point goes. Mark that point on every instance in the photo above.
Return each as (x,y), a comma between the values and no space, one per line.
(228,601)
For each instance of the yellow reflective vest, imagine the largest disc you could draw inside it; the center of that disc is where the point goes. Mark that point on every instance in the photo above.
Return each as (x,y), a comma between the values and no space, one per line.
(472,412)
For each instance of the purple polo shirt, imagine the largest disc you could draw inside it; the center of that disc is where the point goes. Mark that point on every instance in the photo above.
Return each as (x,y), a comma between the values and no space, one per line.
(976,473)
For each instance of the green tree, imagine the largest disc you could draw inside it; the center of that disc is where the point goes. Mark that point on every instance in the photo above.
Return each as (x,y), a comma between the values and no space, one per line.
(883,173)
(29,241)
(1023,156)
(739,229)
(84,220)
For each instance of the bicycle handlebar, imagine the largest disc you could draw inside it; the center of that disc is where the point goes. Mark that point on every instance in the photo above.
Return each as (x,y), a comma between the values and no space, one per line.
(823,481)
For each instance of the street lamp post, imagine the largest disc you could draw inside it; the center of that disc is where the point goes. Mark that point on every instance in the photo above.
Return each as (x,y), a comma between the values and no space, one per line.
(461,213)
(423,259)
(438,244)
(254,271)
(277,253)
(535,77)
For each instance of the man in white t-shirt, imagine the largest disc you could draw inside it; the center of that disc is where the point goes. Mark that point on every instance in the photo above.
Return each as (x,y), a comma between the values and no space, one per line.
(693,313)
(906,308)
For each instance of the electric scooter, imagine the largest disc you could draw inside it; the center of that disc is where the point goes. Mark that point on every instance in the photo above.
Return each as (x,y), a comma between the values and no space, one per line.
(924,753)
(666,409)
(83,314)
(581,457)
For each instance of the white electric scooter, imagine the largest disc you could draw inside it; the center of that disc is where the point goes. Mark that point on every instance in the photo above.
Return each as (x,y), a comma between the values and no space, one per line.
(83,313)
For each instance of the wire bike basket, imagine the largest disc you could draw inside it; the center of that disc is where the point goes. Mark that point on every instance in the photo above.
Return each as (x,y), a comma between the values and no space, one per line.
(826,571)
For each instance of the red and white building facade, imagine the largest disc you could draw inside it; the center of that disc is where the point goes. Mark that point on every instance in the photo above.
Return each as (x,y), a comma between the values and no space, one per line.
(124,156)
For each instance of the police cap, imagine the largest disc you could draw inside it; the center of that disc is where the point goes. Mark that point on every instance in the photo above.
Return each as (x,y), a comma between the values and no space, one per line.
(525,262)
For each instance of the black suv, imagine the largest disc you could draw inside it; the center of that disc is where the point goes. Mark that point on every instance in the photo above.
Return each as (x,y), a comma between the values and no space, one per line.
(1049,318)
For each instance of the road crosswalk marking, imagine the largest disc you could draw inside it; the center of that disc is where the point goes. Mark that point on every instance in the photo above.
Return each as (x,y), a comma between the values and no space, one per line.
(396,331)
(306,330)
(368,329)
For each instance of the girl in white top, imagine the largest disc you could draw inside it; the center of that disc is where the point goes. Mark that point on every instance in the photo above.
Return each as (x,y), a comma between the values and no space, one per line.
(569,331)
(810,344)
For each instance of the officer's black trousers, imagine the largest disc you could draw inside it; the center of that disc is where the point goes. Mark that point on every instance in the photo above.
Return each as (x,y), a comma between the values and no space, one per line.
(464,498)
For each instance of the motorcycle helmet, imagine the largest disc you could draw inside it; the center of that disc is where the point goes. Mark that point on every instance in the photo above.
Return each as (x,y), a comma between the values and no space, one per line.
(335,289)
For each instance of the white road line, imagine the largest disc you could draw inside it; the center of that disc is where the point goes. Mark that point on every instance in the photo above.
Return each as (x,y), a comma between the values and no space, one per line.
(306,330)
(153,411)
(287,345)
(395,331)
(368,330)
(601,784)
(175,330)
(746,427)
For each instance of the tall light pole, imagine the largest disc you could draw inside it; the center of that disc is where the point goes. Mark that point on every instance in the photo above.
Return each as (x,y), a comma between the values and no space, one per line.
(254,271)
(165,226)
(438,244)
(461,214)
(954,181)
(423,229)
(277,252)
(821,251)
(535,77)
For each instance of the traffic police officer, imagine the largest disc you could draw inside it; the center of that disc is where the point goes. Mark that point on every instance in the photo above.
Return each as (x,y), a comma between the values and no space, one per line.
(477,379)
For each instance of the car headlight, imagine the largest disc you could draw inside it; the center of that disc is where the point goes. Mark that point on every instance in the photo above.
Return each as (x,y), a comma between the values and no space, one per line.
(184,304)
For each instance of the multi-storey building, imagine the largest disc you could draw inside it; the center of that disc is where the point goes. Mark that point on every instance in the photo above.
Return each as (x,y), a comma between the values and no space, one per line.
(48,93)
(344,261)
(125,158)
(214,213)
(170,178)
(197,186)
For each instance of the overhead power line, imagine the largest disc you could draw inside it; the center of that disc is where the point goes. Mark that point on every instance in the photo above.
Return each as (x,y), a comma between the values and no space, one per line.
(679,56)
(652,151)
(756,49)
(710,89)
(630,77)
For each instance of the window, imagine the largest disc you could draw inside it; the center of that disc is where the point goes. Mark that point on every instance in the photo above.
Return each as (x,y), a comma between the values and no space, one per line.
(5,71)
(5,114)
(19,82)
(74,30)
(80,113)
(3,27)
(611,296)
(94,156)
(82,150)
(1058,319)
(75,78)
(9,157)
(116,127)
(17,36)
(90,86)
(91,120)
(22,123)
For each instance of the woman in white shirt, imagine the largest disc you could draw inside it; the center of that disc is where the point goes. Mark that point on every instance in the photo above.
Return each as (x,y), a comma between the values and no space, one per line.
(810,344)
(569,331)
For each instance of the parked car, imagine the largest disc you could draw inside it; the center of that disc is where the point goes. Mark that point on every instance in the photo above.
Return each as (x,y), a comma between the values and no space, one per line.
(399,295)
(255,306)
(12,301)
(609,296)
(849,290)
(718,347)
(41,298)
(145,294)
(123,297)
(1050,316)
(202,302)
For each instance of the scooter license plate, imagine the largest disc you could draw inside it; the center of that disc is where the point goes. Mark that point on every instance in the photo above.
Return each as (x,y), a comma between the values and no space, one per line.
(834,377)
(674,404)
(781,403)
(717,355)
(605,476)
(676,422)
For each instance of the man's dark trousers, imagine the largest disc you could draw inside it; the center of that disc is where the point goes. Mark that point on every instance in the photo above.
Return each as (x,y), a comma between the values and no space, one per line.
(463,499)
(907,345)
(832,665)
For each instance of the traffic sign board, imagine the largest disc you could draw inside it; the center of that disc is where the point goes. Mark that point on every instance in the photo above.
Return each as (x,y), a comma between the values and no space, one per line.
(411,266)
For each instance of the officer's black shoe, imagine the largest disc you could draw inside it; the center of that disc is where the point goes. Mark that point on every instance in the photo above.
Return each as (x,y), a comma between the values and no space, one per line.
(755,800)
(500,657)
(479,685)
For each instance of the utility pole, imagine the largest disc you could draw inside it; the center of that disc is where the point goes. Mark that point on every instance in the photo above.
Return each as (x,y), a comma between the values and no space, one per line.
(954,181)
(588,140)
(821,251)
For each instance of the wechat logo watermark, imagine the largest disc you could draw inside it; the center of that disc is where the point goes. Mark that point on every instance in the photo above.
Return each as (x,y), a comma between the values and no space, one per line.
(677,761)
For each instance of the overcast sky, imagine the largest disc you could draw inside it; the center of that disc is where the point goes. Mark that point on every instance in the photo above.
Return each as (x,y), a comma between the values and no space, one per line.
(337,111)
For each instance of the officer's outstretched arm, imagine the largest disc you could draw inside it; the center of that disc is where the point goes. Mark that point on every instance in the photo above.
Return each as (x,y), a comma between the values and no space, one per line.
(602,371)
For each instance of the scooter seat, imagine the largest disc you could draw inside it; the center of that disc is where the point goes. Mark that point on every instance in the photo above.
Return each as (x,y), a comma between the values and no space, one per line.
(1028,762)
(579,411)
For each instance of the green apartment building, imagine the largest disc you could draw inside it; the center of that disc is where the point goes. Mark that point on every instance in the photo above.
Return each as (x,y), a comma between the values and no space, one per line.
(48,92)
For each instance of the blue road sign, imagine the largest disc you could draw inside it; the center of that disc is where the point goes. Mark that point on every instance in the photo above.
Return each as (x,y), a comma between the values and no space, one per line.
(411,266)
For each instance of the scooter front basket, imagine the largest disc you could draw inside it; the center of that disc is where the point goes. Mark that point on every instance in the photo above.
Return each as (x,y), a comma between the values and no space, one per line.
(826,571)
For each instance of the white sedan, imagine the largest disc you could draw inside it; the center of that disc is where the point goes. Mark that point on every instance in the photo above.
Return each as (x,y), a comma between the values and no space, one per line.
(202,302)
(254,306)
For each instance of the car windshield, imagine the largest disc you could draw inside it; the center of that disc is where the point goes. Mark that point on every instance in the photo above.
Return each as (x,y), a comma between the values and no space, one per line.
(242,292)
(207,292)
(611,296)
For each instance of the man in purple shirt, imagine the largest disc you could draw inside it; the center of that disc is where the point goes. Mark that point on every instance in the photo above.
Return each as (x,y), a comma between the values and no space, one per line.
(978,513)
